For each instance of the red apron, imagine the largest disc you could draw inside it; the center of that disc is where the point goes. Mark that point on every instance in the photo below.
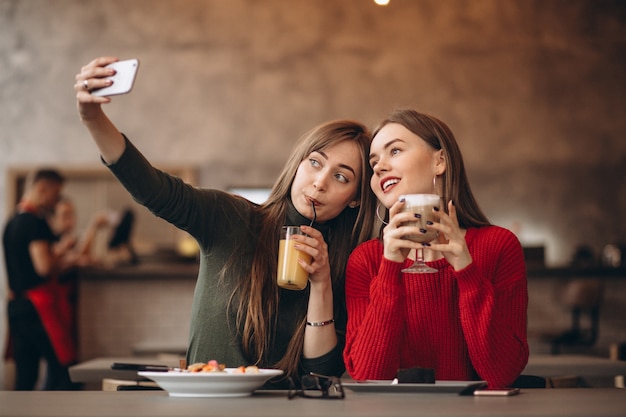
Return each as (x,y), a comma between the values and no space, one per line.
(51,300)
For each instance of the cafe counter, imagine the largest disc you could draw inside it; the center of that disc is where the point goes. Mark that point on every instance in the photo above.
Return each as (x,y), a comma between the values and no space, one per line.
(135,309)
(144,270)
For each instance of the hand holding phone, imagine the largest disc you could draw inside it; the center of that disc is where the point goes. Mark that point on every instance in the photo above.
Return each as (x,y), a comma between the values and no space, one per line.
(123,79)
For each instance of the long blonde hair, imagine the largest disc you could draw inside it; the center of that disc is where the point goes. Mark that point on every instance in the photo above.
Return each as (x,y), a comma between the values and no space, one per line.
(257,293)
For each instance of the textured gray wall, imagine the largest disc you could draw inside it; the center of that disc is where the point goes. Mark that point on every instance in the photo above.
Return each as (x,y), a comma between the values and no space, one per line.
(535,91)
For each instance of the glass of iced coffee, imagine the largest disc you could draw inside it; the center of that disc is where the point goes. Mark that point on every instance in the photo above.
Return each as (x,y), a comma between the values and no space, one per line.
(290,274)
(423,205)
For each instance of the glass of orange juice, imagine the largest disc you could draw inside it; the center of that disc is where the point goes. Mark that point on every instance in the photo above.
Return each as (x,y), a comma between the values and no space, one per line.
(290,274)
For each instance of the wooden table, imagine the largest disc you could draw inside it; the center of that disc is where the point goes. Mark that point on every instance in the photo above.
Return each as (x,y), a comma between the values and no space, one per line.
(597,402)
(596,372)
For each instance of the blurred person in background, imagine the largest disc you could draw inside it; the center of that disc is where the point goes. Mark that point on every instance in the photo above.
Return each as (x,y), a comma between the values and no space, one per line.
(76,250)
(73,251)
(35,326)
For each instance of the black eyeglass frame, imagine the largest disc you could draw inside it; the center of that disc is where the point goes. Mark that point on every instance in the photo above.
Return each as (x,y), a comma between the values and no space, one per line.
(316,382)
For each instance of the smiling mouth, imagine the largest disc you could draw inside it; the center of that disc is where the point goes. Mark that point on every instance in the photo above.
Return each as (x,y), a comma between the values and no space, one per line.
(389,183)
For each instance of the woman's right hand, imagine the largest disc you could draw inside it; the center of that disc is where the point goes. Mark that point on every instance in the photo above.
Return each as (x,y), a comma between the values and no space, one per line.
(396,247)
(92,76)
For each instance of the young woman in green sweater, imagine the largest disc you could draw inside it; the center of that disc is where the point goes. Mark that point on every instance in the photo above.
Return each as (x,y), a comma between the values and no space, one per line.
(240,316)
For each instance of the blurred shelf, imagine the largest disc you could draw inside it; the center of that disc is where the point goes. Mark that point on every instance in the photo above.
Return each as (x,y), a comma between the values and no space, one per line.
(144,270)
(569,272)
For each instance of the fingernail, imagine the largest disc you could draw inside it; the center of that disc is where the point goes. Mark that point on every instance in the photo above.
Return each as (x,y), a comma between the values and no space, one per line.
(402,199)
(418,216)
(423,230)
(428,222)
(426,244)
(436,208)
(452,201)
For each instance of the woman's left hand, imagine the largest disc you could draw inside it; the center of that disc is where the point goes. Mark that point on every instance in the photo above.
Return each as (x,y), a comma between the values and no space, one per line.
(314,245)
(451,242)
(318,340)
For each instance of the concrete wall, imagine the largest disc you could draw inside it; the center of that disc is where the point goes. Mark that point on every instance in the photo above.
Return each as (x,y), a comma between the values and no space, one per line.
(534,90)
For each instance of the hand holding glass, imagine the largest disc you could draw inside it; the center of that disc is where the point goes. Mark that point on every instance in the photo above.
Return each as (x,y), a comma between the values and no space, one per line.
(423,205)
(291,275)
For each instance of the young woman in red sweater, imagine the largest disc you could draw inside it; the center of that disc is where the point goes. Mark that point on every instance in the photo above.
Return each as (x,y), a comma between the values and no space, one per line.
(467,321)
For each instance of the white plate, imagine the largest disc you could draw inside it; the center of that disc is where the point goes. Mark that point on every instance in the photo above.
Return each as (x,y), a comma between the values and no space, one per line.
(457,387)
(210,384)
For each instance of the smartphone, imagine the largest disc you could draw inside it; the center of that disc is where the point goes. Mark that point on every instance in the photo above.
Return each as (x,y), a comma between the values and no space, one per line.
(498,392)
(123,79)
(139,367)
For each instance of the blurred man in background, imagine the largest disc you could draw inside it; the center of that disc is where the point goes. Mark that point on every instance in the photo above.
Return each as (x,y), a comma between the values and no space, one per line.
(36,326)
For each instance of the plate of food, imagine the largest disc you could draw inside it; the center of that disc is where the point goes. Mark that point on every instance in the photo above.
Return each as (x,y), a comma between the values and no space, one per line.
(455,387)
(211,380)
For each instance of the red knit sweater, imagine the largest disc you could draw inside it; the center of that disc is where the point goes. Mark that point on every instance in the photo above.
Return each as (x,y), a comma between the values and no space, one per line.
(466,325)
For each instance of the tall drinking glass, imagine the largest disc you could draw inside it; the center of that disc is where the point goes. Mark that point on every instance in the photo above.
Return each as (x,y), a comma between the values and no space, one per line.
(423,205)
(290,274)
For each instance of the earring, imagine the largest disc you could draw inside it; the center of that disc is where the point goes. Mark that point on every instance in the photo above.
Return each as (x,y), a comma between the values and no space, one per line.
(378,214)
(353,204)
(435,185)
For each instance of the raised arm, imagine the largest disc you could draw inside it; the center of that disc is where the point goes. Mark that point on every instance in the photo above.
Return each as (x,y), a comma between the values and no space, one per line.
(104,133)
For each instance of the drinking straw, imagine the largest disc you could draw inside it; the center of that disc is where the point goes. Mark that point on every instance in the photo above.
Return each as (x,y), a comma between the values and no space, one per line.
(314,214)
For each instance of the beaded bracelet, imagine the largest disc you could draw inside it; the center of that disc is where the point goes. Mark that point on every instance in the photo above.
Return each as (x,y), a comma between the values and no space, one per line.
(319,323)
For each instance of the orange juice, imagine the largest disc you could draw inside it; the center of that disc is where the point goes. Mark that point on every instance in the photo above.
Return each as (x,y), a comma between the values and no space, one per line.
(290,274)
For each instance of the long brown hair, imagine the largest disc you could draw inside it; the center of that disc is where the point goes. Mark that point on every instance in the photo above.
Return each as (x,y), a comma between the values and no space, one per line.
(455,185)
(257,293)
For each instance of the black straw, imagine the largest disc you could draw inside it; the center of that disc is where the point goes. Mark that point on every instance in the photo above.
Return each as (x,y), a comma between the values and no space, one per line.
(314,214)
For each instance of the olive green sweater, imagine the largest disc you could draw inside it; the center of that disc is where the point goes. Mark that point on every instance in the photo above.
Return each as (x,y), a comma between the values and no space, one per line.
(221,223)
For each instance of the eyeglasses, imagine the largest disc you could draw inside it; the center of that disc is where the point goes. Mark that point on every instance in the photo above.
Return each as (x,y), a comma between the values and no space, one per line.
(317,386)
